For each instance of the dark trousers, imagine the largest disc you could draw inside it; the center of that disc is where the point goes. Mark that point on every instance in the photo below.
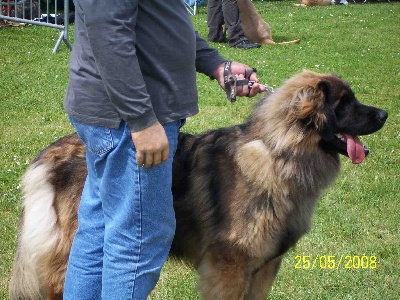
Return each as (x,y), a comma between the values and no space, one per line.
(220,12)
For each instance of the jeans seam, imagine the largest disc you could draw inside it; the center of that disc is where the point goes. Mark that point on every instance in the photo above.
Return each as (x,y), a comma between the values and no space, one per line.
(108,146)
(138,256)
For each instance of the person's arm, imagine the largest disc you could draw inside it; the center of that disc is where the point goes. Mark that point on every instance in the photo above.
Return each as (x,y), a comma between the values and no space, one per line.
(110,29)
(207,58)
(210,63)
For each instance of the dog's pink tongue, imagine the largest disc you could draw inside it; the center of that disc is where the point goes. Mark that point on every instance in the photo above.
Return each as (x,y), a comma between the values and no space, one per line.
(355,149)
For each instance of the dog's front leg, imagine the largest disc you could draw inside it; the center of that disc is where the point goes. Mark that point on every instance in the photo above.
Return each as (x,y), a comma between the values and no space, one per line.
(223,277)
(263,279)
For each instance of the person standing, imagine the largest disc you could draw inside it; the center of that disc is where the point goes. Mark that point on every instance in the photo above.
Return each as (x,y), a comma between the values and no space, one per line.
(132,82)
(222,16)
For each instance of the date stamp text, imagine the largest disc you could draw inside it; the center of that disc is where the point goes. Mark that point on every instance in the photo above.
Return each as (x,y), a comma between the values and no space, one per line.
(335,262)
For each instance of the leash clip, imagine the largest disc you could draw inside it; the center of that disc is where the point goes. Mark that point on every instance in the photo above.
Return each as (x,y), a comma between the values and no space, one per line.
(268,89)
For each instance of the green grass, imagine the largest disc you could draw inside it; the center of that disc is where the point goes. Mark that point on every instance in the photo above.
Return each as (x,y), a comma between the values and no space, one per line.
(358,216)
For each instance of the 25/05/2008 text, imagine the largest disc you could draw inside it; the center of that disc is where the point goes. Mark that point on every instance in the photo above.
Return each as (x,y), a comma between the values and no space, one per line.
(334,262)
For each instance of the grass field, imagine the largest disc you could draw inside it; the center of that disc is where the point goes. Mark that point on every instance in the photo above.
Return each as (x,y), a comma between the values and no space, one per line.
(357,221)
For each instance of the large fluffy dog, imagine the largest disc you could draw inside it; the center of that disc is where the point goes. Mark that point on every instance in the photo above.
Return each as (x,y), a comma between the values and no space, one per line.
(243,195)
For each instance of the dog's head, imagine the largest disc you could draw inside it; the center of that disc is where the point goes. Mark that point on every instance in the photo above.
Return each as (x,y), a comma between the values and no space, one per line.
(322,110)
(330,108)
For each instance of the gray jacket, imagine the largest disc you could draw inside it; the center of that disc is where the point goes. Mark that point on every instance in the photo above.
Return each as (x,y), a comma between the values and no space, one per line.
(135,61)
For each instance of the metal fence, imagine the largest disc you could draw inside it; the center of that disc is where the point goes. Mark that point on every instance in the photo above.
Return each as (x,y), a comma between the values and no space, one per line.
(40,13)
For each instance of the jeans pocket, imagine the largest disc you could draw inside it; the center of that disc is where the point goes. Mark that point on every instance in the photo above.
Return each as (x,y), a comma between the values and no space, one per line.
(97,139)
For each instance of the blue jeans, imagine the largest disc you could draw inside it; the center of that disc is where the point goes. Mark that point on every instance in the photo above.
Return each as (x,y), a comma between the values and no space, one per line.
(126,220)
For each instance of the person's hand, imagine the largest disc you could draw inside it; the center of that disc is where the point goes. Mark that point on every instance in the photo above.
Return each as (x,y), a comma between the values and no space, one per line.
(239,70)
(151,145)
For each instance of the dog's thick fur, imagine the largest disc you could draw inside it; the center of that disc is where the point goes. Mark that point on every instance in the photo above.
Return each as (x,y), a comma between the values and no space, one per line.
(255,28)
(243,195)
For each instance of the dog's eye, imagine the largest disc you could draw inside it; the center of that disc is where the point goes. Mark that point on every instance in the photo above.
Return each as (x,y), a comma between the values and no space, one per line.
(342,109)
(345,101)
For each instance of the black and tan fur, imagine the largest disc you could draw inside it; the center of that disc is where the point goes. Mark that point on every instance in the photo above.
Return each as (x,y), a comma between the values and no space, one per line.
(243,195)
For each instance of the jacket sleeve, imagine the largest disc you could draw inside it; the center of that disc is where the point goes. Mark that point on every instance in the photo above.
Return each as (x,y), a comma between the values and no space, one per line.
(110,29)
(207,59)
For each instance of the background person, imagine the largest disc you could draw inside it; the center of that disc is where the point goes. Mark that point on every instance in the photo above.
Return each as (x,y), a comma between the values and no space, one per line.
(225,13)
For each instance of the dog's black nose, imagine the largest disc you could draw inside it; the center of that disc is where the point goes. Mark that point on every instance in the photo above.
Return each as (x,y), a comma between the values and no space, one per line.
(382,116)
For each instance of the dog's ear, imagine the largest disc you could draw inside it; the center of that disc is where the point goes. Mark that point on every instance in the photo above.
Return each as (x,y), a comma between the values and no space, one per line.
(314,108)
(326,125)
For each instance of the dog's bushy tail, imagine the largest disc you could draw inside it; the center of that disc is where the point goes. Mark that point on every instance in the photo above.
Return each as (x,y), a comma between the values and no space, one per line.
(38,234)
